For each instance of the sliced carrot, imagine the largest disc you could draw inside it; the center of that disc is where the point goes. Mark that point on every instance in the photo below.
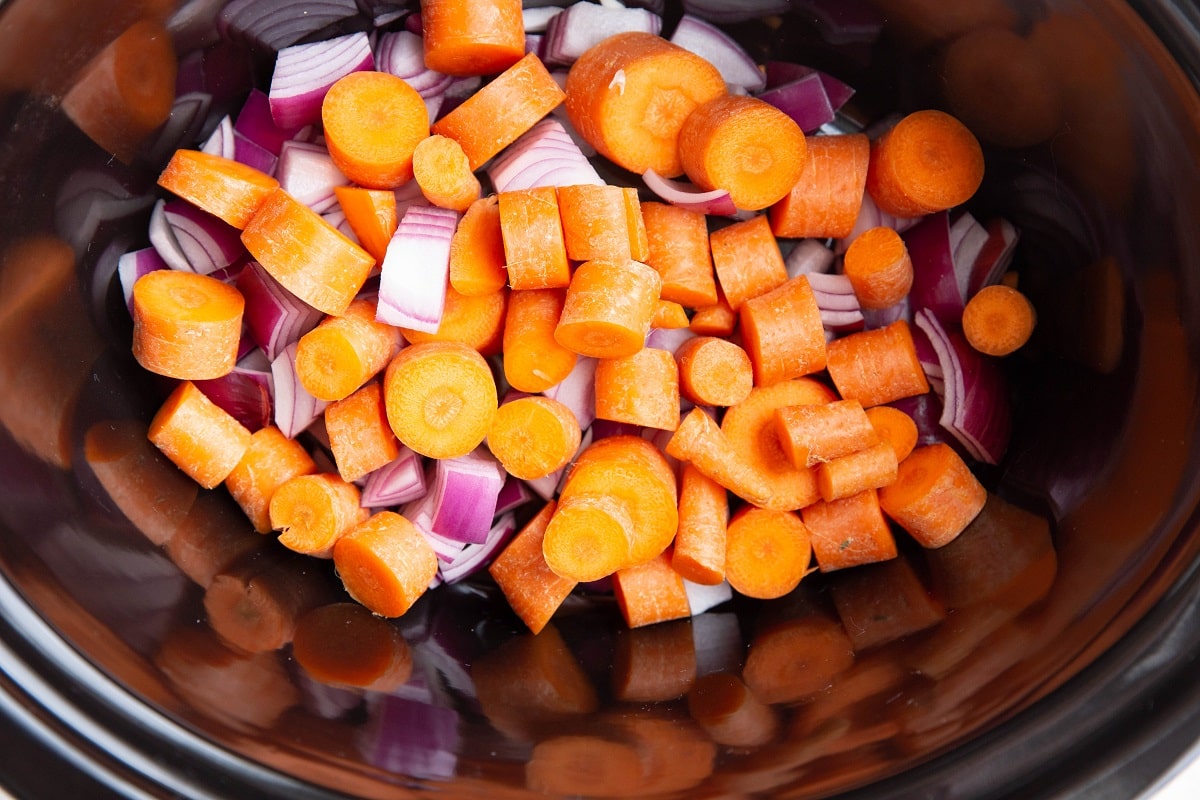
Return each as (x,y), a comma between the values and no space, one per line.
(998,320)
(639,241)
(730,713)
(441,398)
(475,320)
(301,250)
(796,658)
(766,552)
(747,260)
(650,592)
(535,252)
(372,123)
(629,95)
(879,268)
(745,146)
(595,221)
(186,325)
(227,189)
(199,437)
(714,371)
(825,201)
(669,315)
(269,461)
(811,434)
(533,359)
(443,173)
(313,511)
(472,37)
(589,537)
(884,603)
(700,441)
(371,214)
(927,162)
(344,644)
(639,389)
(504,108)
(699,551)
(869,468)
(533,590)
(477,263)
(717,319)
(783,333)
(895,427)
(849,531)
(385,563)
(679,252)
(653,663)
(876,366)
(533,436)
(342,353)
(935,495)
(608,308)
(359,434)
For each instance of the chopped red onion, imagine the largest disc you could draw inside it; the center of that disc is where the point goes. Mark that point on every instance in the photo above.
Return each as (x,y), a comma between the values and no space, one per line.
(926,410)
(577,391)
(729,11)
(304,72)
(584,24)
(162,237)
(400,481)
(545,155)
(995,256)
(135,264)
(804,100)
(809,256)
(935,286)
(475,557)
(252,154)
(411,738)
(720,49)
(244,393)
(385,12)
(607,428)
(702,597)
(276,24)
(781,72)
(928,357)
(220,142)
(513,494)
(842,321)
(686,195)
(207,242)
(536,20)
(254,121)
(295,408)
(307,172)
(402,53)
(416,269)
(463,494)
(967,240)
(882,317)
(835,289)
(275,318)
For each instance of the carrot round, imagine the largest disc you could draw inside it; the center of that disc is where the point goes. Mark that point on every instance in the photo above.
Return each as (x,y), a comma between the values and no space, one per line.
(825,201)
(869,468)
(766,552)
(812,434)
(928,162)
(935,495)
(269,461)
(650,593)
(714,371)
(343,353)
(313,511)
(533,436)
(629,95)
(717,319)
(385,563)
(876,366)
(227,189)
(344,644)
(373,122)
(472,37)
(589,537)
(849,531)
(595,222)
(477,250)
(533,590)
(359,434)
(371,214)
(699,551)
(443,173)
(678,251)
(198,436)
(533,359)
(608,308)
(535,252)
(745,146)
(783,333)
(669,315)
(895,427)
(747,260)
(186,325)
(441,398)
(998,320)
(476,320)
(879,268)
(639,389)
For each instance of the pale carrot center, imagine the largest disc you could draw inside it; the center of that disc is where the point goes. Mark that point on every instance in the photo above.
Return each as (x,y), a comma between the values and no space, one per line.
(665,112)
(188,297)
(442,408)
(755,159)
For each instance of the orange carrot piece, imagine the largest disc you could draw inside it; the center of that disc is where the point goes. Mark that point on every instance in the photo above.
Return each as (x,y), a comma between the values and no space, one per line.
(472,37)
(730,713)
(629,95)
(879,268)
(747,260)
(608,308)
(998,320)
(655,663)
(669,315)
(783,333)
(589,537)
(359,434)
(385,563)
(504,108)
(650,592)
(344,644)
(199,437)
(533,359)
(477,250)
(876,366)
(371,214)
(895,427)
(342,353)
(533,436)
(185,325)
(849,531)
(700,441)
(870,468)
(699,552)
(269,461)
(535,253)
(595,222)
(440,397)
(766,552)
(310,257)
(443,173)
(745,146)
(227,189)
(714,371)
(372,123)
(312,512)
(825,201)
(811,434)
(532,589)
(797,658)
(640,389)
(717,319)
(927,162)
(935,495)
(639,242)
(475,320)
(679,253)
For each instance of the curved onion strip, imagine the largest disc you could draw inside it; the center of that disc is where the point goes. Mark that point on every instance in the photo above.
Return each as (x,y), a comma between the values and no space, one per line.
(721,50)
(275,318)
(304,72)
(208,243)
(295,408)
(307,172)
(686,195)
(582,25)
(474,557)
(401,480)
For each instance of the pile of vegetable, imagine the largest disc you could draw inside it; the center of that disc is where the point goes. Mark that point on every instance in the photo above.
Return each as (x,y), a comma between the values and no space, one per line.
(416,332)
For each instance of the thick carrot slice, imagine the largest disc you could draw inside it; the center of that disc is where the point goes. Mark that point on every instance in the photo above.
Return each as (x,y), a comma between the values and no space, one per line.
(730,713)
(342,353)
(655,663)
(199,437)
(186,325)
(359,434)
(589,537)
(639,241)
(475,320)
(373,122)
(344,644)
(879,268)
(608,308)
(472,37)
(700,441)
(371,214)
(669,315)
(507,106)
(714,371)
(227,189)
(869,468)
(998,320)
(783,333)
(640,389)
(311,258)
(935,495)
(747,260)
(766,552)
(443,173)
(679,251)
(650,592)
(441,398)
(535,253)
(532,589)
(811,434)
(313,511)
(796,658)
(849,531)
(533,359)
(477,263)
(533,436)
(927,162)
(270,460)
(717,319)
(699,552)
(825,201)
(877,366)
(745,146)
(895,427)
(595,221)
(629,95)
(385,563)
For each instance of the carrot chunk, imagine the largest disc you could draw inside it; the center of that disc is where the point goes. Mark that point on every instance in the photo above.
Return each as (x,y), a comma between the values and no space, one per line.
(595,222)
(342,353)
(849,531)
(359,434)
(640,389)
(812,434)
(535,252)
(998,320)
(700,441)
(385,563)
(313,511)
(371,214)
(714,371)
(227,189)
(532,589)
(895,427)
(269,461)
(879,268)
(669,316)
(935,495)
(678,250)
(185,325)
(533,359)
(477,263)
(589,537)
(927,162)
(198,436)
(766,552)
(783,333)
(533,436)
(699,551)
(608,308)
(373,122)
(651,592)
(825,200)
(443,173)
(472,37)
(869,468)
(476,320)
(876,366)
(747,260)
